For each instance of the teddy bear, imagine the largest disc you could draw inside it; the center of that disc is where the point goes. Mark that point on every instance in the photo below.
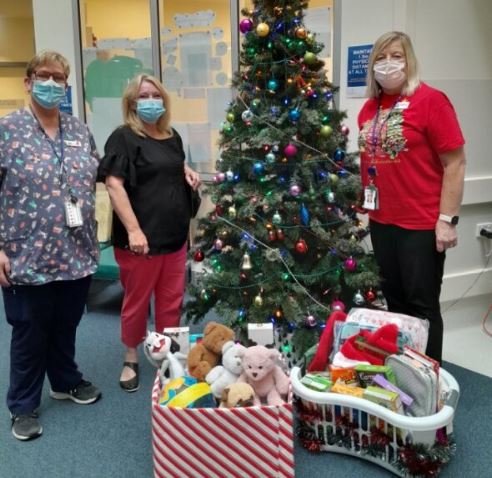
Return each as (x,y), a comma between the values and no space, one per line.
(163,352)
(261,371)
(223,375)
(206,354)
(237,395)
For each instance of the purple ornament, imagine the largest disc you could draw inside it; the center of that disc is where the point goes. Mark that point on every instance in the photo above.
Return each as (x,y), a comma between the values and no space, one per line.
(350,264)
(338,305)
(295,190)
(290,150)
(218,245)
(310,321)
(245,25)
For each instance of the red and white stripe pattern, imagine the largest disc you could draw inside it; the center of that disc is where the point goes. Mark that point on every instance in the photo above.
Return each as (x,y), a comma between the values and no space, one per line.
(250,442)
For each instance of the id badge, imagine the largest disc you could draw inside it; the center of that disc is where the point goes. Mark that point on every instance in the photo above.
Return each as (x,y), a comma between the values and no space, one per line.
(73,214)
(371,200)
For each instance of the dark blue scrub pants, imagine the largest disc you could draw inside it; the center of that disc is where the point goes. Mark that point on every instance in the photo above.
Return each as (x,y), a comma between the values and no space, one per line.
(412,272)
(44,320)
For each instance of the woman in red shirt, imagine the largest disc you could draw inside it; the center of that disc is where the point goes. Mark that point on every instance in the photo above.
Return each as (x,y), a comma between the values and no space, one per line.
(413,167)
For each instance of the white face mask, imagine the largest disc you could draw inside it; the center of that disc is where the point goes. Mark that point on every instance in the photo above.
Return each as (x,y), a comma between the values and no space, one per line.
(389,73)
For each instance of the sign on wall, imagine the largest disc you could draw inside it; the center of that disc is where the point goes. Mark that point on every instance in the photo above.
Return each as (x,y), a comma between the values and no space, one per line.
(357,61)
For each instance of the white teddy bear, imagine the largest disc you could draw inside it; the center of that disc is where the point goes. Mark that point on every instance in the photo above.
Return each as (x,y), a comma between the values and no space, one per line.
(223,375)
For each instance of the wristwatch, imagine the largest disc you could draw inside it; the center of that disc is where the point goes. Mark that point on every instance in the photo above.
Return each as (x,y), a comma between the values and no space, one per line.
(451,219)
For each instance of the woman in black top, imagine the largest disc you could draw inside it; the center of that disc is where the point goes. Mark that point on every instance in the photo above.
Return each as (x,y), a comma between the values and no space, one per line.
(148,183)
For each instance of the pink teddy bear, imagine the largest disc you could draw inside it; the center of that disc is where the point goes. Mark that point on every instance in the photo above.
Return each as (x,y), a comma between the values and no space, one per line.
(261,371)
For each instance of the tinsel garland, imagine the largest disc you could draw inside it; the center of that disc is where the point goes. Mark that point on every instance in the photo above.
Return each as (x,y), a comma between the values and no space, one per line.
(414,460)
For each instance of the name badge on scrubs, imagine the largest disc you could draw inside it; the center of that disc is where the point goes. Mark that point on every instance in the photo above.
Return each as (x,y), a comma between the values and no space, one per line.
(73,143)
(371,200)
(73,213)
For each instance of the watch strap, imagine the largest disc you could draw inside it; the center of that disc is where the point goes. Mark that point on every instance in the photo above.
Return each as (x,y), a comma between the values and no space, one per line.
(449,219)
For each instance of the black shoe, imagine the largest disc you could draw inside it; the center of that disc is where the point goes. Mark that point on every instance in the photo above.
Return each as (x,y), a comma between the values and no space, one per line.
(26,426)
(84,393)
(131,385)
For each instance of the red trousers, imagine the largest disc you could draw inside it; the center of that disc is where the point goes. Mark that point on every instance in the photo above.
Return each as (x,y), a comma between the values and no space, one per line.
(163,275)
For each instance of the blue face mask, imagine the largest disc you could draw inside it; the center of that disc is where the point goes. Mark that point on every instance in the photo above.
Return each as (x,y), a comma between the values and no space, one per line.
(150,110)
(49,94)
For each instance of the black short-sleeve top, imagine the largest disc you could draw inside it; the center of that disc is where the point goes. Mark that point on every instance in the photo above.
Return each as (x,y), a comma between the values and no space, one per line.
(153,173)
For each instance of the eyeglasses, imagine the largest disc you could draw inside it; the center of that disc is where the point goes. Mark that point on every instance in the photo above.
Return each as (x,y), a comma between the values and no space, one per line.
(46,75)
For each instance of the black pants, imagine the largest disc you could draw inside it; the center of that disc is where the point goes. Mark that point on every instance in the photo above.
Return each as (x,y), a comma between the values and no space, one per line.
(412,271)
(44,320)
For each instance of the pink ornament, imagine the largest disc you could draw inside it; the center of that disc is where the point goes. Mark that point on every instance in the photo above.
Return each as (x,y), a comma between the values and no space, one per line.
(338,305)
(345,130)
(350,264)
(220,177)
(245,25)
(290,150)
(295,190)
(218,244)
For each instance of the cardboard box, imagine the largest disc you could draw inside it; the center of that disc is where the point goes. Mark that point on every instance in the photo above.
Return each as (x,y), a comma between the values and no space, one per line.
(250,442)
(261,334)
(181,335)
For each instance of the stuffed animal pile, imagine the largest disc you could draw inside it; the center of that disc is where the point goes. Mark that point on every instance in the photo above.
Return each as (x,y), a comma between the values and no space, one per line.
(237,376)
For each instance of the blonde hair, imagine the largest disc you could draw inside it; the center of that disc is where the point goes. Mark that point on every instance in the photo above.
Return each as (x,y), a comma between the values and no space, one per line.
(44,57)
(413,80)
(129,102)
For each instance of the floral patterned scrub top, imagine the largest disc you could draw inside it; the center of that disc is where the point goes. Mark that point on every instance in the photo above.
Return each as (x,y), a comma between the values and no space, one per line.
(33,230)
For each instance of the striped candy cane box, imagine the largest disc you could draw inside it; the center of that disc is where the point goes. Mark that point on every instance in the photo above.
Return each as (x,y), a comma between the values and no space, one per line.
(250,442)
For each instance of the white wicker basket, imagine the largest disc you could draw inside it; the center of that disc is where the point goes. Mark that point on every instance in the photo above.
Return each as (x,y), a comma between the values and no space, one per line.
(343,423)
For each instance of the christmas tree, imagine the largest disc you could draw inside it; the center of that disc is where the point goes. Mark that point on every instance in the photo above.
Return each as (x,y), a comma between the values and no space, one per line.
(283,243)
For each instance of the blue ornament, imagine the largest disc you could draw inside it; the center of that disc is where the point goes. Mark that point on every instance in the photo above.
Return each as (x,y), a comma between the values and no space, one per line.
(279,26)
(305,217)
(236,178)
(272,85)
(275,110)
(286,101)
(258,168)
(339,155)
(329,95)
(342,173)
(294,114)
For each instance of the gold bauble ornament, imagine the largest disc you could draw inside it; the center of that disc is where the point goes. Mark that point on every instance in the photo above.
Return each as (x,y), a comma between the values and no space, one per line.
(301,33)
(325,130)
(263,29)
(258,300)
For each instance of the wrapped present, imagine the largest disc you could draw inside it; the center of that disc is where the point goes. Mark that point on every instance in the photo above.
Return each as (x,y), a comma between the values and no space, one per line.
(249,442)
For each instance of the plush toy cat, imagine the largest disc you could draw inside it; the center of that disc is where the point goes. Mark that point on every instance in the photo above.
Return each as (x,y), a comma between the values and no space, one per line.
(163,353)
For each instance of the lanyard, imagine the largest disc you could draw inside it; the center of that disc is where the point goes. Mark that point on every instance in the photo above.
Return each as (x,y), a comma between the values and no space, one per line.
(61,157)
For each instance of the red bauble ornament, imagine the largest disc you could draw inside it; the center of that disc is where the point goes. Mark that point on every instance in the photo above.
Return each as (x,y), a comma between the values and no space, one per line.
(219,210)
(243,276)
(301,246)
(370,295)
(271,235)
(199,256)
(280,235)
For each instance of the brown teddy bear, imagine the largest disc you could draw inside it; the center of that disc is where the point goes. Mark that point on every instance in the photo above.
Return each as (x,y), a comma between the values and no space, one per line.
(206,354)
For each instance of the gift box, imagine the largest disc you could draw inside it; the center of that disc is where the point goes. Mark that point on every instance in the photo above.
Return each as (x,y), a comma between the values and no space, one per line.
(249,442)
